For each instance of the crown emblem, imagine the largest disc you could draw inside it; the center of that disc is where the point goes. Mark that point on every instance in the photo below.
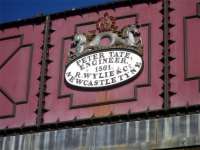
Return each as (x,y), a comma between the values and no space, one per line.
(127,37)
(106,23)
(104,57)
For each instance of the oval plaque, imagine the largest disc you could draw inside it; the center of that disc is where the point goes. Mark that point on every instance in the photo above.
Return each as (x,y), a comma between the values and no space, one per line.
(104,68)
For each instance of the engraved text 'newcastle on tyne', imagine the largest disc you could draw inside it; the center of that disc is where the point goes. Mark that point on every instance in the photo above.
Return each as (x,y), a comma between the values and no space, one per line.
(105,59)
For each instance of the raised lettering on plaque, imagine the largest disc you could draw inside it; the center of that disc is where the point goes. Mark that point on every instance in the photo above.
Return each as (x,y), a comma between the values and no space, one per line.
(93,65)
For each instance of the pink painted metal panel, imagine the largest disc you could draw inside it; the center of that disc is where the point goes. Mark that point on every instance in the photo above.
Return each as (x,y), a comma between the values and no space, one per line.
(20,54)
(140,95)
(186,51)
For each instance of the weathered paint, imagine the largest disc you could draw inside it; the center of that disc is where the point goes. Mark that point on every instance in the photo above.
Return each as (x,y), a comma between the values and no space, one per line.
(185,50)
(139,95)
(22,48)
(163,133)
(20,54)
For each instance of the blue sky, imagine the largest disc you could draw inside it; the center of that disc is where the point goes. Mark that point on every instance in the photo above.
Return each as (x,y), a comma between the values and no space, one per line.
(11,10)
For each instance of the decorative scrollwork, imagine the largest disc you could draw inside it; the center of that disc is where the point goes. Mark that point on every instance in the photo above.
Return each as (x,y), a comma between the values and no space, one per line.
(128,37)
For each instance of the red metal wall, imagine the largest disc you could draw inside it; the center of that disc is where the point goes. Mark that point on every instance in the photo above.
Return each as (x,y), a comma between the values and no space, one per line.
(20,53)
(143,93)
(186,51)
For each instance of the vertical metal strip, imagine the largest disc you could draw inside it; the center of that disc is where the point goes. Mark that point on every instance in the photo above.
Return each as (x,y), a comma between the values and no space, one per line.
(12,142)
(187,126)
(4,143)
(127,132)
(137,131)
(168,128)
(147,130)
(43,72)
(166,54)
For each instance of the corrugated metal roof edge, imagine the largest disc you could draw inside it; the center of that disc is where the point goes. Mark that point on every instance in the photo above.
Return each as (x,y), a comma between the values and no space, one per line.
(74,11)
